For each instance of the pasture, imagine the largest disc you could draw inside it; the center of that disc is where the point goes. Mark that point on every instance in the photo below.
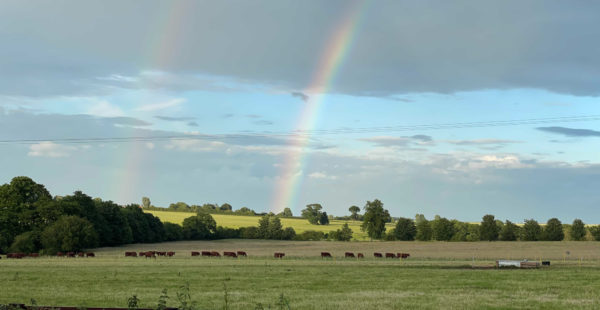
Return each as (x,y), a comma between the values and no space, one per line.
(438,275)
(235,221)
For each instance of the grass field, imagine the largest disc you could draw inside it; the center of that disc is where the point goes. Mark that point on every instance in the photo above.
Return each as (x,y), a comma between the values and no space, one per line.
(436,276)
(234,221)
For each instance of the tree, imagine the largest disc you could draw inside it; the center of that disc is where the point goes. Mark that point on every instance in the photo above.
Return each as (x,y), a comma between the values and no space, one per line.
(116,230)
(405,229)
(578,230)
(269,227)
(509,231)
(424,231)
(488,229)
(374,219)
(226,207)
(324,219)
(287,212)
(145,202)
(442,229)
(69,234)
(173,232)
(342,234)
(199,227)
(180,207)
(531,231)
(312,213)
(553,230)
(354,210)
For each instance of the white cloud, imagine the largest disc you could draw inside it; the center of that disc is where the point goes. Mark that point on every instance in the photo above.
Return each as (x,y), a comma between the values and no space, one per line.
(161,105)
(105,109)
(49,149)
(321,175)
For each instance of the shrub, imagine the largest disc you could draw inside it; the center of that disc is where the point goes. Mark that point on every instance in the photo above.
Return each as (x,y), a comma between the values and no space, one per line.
(227,233)
(28,242)
(311,235)
(69,233)
(288,233)
(343,234)
(249,232)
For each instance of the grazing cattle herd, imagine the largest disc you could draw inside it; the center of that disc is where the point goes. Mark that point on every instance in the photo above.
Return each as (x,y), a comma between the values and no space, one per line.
(236,254)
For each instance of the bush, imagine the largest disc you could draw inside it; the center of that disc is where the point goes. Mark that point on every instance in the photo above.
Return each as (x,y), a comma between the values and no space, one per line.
(311,235)
(595,231)
(227,233)
(405,229)
(578,230)
(173,232)
(288,234)
(553,230)
(28,242)
(343,234)
(69,234)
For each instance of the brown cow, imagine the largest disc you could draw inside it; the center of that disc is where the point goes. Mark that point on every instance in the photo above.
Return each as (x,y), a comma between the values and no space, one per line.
(206,253)
(325,254)
(60,254)
(377,254)
(15,255)
(215,254)
(170,254)
(403,255)
(195,253)
(81,254)
(390,255)
(150,254)
(131,254)
(349,255)
(142,253)
(360,255)
(34,255)
(230,254)
(90,254)
(70,254)
(161,253)
(279,255)
(242,253)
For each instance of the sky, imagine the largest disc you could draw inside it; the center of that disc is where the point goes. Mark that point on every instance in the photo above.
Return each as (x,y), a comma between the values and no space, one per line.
(455,109)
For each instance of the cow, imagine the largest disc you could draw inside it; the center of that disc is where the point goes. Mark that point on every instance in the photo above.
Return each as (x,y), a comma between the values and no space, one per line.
(206,253)
(349,255)
(15,255)
(360,255)
(279,255)
(170,254)
(150,254)
(194,253)
(215,254)
(34,255)
(90,254)
(81,254)
(131,254)
(377,254)
(325,255)
(70,254)
(60,254)
(230,254)
(390,255)
(142,253)
(161,253)
(242,253)
(403,255)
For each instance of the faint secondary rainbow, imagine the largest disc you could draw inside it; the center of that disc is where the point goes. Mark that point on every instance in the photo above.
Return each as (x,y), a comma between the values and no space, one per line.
(295,161)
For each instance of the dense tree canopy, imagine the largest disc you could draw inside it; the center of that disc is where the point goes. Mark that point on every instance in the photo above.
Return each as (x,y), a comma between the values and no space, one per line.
(489,230)
(531,231)
(553,230)
(69,233)
(199,227)
(405,229)
(375,218)
(578,230)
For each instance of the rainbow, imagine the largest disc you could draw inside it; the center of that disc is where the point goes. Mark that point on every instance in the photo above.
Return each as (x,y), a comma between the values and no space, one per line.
(295,161)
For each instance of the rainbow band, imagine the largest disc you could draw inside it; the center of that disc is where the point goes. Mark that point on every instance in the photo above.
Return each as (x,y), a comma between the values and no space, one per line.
(290,177)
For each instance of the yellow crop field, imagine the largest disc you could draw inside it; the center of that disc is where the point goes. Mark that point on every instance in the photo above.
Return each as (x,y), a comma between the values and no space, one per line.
(235,221)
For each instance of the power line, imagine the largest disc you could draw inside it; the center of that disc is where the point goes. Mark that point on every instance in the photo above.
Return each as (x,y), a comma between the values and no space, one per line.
(309,133)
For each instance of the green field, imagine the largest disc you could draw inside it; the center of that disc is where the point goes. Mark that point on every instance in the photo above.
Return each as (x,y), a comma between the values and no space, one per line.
(438,275)
(235,221)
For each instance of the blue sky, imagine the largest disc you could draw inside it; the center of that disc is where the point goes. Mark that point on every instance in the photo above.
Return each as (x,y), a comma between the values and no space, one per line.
(235,77)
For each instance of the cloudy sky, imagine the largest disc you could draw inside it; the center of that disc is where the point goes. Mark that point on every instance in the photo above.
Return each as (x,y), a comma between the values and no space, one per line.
(453,108)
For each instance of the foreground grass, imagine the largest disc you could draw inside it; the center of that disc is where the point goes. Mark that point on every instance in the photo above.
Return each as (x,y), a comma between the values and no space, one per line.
(235,221)
(306,281)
